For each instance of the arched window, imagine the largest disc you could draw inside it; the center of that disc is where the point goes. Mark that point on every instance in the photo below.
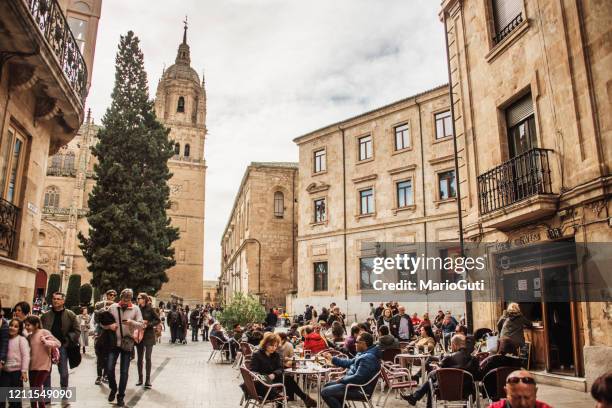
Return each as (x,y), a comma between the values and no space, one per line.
(69,161)
(52,197)
(177,148)
(186,150)
(279,204)
(181,104)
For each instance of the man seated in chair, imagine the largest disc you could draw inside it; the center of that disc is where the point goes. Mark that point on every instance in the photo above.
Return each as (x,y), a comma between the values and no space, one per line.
(360,370)
(229,345)
(459,358)
(521,392)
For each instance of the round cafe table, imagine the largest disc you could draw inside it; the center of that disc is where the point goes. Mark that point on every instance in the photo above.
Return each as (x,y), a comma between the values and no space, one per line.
(421,357)
(305,369)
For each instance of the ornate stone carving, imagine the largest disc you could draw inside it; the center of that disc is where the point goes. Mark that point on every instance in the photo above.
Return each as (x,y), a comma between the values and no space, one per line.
(46,107)
(22,76)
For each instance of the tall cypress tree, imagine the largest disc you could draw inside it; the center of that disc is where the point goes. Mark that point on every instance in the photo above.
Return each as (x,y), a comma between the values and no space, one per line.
(130,236)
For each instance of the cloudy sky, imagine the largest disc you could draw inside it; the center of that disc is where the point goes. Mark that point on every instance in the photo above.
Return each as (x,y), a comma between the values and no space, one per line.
(275,69)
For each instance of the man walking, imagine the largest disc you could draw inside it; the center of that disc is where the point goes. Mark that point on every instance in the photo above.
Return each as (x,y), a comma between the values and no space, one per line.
(403,322)
(173,322)
(63,324)
(127,319)
(194,322)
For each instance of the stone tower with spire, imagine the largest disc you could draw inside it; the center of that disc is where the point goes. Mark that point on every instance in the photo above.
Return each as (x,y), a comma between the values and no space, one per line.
(180,104)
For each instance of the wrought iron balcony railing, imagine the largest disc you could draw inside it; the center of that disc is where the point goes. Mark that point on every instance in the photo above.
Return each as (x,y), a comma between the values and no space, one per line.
(521,177)
(50,19)
(8,226)
(504,31)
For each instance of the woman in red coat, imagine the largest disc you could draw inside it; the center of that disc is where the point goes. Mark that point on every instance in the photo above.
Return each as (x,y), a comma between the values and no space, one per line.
(313,341)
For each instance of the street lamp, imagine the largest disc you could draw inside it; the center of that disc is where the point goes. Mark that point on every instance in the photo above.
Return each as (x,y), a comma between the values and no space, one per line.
(62,268)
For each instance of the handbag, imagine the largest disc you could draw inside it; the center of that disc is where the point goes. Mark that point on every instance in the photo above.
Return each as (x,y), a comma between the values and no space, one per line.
(127,342)
(492,343)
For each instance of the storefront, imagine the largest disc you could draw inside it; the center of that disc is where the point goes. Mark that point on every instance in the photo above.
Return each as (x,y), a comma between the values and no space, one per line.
(541,277)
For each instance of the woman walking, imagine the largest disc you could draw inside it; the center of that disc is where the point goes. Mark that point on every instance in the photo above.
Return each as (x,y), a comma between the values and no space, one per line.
(84,320)
(512,324)
(150,320)
(15,370)
(42,344)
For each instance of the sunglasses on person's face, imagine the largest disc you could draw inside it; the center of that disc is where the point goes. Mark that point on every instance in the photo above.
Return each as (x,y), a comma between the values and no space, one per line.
(524,380)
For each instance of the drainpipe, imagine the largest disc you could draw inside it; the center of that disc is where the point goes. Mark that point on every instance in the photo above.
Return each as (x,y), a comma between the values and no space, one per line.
(344,215)
(423,193)
(468,294)
(293,265)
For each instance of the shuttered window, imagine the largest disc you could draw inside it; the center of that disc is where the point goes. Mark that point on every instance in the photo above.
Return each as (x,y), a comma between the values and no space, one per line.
(507,15)
(519,111)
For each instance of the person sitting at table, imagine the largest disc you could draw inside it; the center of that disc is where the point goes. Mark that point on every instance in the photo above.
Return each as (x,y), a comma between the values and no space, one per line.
(337,332)
(505,357)
(254,337)
(386,340)
(426,321)
(521,392)
(267,361)
(229,345)
(237,332)
(439,319)
(459,358)
(293,333)
(285,349)
(470,341)
(349,342)
(386,319)
(448,329)
(360,370)
(426,340)
(313,340)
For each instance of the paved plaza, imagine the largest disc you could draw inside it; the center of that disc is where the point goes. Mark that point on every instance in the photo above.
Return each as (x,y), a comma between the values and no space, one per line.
(183,379)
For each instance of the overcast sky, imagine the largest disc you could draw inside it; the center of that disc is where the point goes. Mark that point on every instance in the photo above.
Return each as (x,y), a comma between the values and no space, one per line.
(275,69)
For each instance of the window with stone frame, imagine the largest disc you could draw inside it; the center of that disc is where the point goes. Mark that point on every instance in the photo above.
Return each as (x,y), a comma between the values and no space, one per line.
(279,204)
(404,193)
(320,162)
(68,161)
(443,124)
(447,185)
(320,276)
(365,148)
(320,210)
(187,150)
(12,159)
(56,161)
(52,196)
(507,15)
(402,137)
(180,107)
(177,149)
(366,201)
(405,269)
(449,273)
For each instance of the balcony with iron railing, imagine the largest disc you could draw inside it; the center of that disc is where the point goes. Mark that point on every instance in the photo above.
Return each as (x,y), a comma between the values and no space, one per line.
(9,215)
(518,190)
(40,52)
(503,32)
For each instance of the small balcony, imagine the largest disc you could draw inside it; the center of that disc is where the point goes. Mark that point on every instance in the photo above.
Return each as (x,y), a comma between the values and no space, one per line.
(517,191)
(503,32)
(44,58)
(8,227)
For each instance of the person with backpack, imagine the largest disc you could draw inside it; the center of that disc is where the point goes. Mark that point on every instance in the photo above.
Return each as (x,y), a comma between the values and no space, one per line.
(43,348)
(127,318)
(150,321)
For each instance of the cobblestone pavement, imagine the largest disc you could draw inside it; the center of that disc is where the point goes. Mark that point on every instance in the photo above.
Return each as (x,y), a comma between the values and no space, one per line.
(183,379)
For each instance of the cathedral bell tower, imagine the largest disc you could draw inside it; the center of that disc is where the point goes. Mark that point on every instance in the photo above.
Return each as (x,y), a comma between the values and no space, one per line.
(180,104)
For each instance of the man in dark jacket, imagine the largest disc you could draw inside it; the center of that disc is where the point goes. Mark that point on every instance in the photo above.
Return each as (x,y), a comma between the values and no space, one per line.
(194,323)
(360,370)
(173,323)
(460,358)
(308,314)
(63,324)
(403,329)
(104,339)
(4,339)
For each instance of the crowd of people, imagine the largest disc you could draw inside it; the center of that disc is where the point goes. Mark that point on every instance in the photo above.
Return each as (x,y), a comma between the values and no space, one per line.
(359,349)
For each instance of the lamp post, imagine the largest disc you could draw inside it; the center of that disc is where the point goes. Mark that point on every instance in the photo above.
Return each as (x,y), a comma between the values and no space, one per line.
(62,268)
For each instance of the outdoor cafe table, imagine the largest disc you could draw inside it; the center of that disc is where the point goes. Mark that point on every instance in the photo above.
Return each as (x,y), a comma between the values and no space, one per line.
(309,369)
(422,357)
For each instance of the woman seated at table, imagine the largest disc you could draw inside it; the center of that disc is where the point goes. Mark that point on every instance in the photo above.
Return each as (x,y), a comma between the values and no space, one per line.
(313,340)
(425,340)
(337,332)
(285,349)
(267,361)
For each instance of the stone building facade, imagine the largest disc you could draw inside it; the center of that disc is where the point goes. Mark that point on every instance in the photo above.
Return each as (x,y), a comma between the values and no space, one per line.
(210,292)
(180,104)
(532,105)
(43,85)
(67,187)
(384,176)
(258,243)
